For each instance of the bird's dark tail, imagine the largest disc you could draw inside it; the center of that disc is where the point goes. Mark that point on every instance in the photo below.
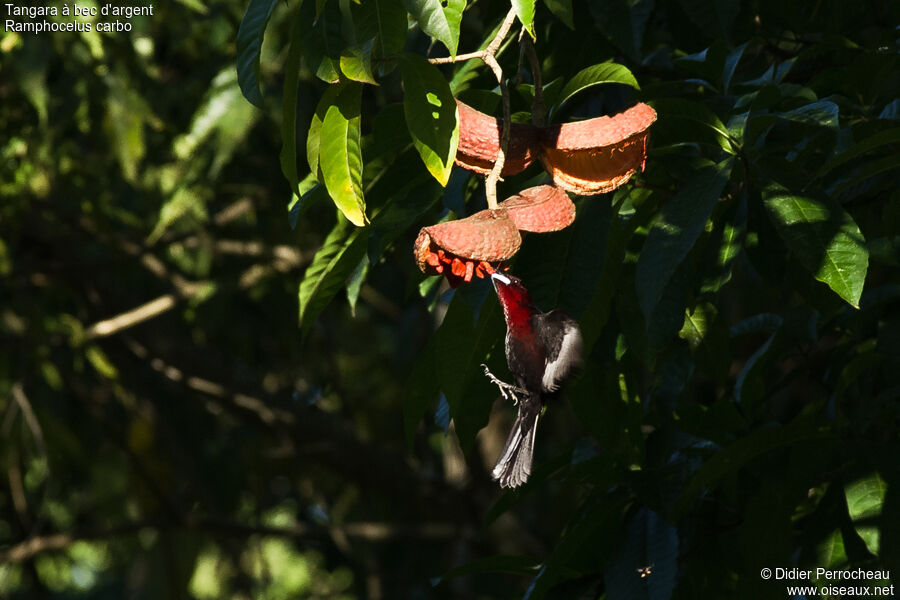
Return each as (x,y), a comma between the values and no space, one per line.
(514,466)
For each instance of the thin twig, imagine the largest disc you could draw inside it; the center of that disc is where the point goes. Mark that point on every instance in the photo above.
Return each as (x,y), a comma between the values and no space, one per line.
(489,57)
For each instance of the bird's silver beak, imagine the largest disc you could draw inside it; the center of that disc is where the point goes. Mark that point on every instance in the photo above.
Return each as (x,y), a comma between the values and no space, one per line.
(496,276)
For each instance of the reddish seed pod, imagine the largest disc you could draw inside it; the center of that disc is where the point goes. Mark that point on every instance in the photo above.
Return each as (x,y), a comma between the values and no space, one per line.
(540,209)
(479,142)
(597,155)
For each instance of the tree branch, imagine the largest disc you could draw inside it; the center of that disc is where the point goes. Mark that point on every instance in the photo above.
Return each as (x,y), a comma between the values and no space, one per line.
(488,56)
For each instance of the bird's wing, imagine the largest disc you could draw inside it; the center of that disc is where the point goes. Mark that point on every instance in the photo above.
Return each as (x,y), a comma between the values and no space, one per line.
(563,341)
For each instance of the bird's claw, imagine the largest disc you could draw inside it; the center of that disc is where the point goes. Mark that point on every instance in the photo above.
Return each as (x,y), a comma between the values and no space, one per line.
(507,390)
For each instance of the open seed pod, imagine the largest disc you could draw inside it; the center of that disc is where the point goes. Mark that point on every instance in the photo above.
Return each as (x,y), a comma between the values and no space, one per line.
(540,209)
(465,248)
(597,155)
(479,141)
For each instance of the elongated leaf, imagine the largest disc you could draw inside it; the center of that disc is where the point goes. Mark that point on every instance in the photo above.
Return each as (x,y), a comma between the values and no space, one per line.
(356,62)
(865,499)
(525,12)
(431,115)
(679,120)
(562,10)
(674,233)
(439,19)
(731,63)
(708,339)
(288,155)
(824,238)
(624,23)
(385,21)
(823,113)
(340,157)
(314,135)
(885,163)
(331,267)
(882,138)
(596,75)
(570,280)
(249,43)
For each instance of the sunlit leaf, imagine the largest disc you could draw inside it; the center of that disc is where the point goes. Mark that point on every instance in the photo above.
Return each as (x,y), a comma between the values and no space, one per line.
(525,12)
(825,239)
(331,267)
(865,498)
(356,62)
(249,43)
(438,19)
(340,156)
(431,115)
(596,75)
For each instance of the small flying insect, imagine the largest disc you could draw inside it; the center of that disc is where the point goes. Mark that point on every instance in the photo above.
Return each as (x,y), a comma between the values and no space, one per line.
(645,572)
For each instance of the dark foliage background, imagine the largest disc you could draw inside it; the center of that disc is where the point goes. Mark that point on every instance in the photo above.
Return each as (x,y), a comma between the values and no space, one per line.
(170,427)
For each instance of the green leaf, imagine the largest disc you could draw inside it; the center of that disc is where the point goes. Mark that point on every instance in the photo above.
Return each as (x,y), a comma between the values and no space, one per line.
(877,140)
(385,21)
(885,163)
(596,75)
(465,338)
(673,234)
(431,115)
(354,284)
(562,10)
(525,12)
(356,62)
(340,157)
(126,113)
(288,156)
(752,369)
(438,19)
(249,43)
(823,113)
(824,238)
(679,120)
(571,279)
(314,135)
(865,498)
(331,267)
(624,23)
(708,339)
